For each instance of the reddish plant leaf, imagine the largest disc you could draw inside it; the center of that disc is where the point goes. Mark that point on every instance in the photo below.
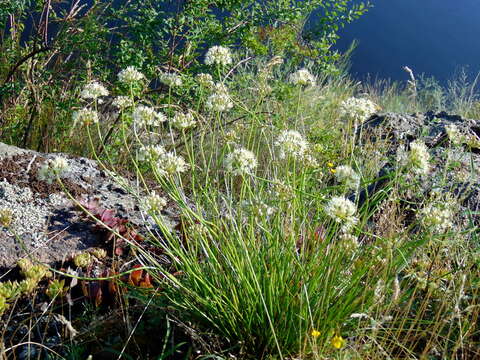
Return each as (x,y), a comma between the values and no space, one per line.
(135,276)
(99,297)
(146,283)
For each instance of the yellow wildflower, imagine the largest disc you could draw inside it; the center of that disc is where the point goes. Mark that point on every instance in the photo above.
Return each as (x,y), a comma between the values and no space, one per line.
(338,342)
(315,333)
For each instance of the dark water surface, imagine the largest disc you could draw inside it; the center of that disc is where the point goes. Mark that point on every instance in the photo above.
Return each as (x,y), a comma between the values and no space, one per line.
(435,37)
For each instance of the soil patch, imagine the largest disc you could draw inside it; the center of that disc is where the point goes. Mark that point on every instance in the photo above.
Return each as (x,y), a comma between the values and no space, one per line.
(22,169)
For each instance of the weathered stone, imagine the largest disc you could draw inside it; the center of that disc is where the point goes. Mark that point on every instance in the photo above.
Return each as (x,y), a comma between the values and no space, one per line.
(454,170)
(46,223)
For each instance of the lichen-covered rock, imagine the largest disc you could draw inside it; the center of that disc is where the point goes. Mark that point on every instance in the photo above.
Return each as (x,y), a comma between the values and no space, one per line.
(429,127)
(45,222)
(454,167)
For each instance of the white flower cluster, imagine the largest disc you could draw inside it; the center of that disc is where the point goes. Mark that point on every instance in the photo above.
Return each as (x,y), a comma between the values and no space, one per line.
(150,152)
(154,203)
(302,77)
(241,161)
(454,134)
(52,168)
(358,109)
(291,143)
(130,75)
(437,218)
(220,100)
(183,120)
(346,175)
(147,116)
(218,55)
(123,102)
(171,79)
(415,160)
(85,116)
(93,90)
(342,211)
(419,157)
(205,80)
(169,164)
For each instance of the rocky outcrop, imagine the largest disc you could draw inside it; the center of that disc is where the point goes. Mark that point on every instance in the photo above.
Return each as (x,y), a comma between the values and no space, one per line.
(46,223)
(455,169)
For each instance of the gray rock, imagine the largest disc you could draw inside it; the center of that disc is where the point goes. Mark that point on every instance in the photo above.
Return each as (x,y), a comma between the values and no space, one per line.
(455,169)
(46,223)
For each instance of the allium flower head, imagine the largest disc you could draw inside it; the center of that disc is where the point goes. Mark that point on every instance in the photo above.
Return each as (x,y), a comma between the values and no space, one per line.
(205,80)
(169,164)
(240,161)
(130,75)
(454,134)
(218,55)
(416,160)
(52,168)
(154,203)
(147,116)
(438,218)
(123,102)
(171,79)
(183,120)
(291,143)
(419,157)
(341,210)
(220,100)
(358,109)
(150,152)
(85,116)
(302,77)
(346,175)
(93,90)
